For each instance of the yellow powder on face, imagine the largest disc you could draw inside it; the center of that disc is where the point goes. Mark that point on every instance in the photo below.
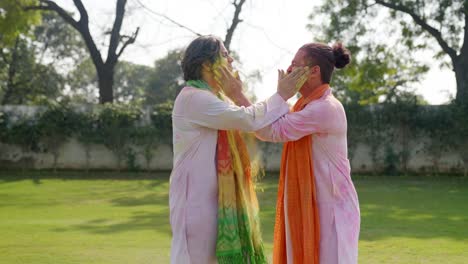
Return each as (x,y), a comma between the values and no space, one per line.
(220,63)
(302,81)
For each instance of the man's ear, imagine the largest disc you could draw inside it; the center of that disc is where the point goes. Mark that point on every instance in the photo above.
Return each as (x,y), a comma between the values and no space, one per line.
(206,66)
(315,70)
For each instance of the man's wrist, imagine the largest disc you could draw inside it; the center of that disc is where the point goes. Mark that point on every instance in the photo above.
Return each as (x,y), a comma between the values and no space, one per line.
(284,96)
(240,99)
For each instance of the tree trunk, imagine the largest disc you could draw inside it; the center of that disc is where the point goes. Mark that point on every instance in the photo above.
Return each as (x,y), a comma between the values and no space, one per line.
(106,83)
(461,75)
(11,74)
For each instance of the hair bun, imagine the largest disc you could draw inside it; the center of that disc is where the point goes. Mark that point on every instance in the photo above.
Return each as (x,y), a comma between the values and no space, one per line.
(342,55)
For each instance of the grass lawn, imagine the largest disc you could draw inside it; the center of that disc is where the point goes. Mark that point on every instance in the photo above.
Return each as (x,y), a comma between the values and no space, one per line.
(102,219)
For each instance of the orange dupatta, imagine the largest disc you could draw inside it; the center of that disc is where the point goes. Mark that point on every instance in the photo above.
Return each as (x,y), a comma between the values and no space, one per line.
(303,218)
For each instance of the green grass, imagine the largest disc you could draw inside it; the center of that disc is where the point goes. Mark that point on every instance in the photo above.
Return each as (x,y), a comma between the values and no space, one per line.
(77,219)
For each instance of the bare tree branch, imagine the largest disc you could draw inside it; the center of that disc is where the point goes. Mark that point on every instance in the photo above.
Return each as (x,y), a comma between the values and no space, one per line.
(235,21)
(421,22)
(81,25)
(115,33)
(167,18)
(52,6)
(130,40)
(83,13)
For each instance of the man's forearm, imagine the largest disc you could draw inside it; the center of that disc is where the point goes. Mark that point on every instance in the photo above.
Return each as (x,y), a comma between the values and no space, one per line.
(241,100)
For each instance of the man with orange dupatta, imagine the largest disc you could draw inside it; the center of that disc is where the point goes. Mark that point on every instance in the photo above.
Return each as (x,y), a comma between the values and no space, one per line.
(317,213)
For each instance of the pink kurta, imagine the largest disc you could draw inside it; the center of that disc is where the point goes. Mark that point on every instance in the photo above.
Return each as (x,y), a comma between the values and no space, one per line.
(337,199)
(193,195)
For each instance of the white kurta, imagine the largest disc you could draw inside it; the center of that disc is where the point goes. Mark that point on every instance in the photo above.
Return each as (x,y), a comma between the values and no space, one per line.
(193,195)
(337,199)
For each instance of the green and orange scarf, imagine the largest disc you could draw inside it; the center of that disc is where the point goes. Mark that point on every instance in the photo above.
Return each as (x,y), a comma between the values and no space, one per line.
(239,238)
(303,217)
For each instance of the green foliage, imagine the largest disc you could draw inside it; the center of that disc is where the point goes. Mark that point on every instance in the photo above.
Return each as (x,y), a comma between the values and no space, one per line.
(115,126)
(458,133)
(165,82)
(148,138)
(390,131)
(390,161)
(435,124)
(376,75)
(161,118)
(24,133)
(130,82)
(15,21)
(132,160)
(3,125)
(56,126)
(57,40)
(23,79)
(86,132)
(387,39)
(83,82)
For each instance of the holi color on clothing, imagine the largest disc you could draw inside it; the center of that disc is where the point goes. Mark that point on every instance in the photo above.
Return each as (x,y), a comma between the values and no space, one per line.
(336,201)
(198,117)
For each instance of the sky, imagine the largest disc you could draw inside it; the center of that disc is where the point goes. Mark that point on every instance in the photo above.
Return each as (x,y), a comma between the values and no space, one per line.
(266,40)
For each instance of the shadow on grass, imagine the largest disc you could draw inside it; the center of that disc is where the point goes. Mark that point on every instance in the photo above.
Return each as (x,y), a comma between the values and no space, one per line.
(149,199)
(421,208)
(141,220)
(150,220)
(37,175)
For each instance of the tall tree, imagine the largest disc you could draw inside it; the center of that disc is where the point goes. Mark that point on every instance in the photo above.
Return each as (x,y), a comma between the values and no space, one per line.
(422,25)
(118,43)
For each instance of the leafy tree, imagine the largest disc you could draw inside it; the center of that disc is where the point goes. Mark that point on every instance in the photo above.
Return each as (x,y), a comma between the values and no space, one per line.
(22,79)
(57,42)
(405,27)
(56,126)
(33,66)
(14,20)
(376,75)
(166,80)
(131,80)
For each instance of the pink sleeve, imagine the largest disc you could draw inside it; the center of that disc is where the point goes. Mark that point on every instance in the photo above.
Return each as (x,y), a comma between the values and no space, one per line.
(207,110)
(317,117)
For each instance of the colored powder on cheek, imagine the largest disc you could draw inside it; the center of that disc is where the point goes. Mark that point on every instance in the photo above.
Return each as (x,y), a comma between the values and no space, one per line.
(219,63)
